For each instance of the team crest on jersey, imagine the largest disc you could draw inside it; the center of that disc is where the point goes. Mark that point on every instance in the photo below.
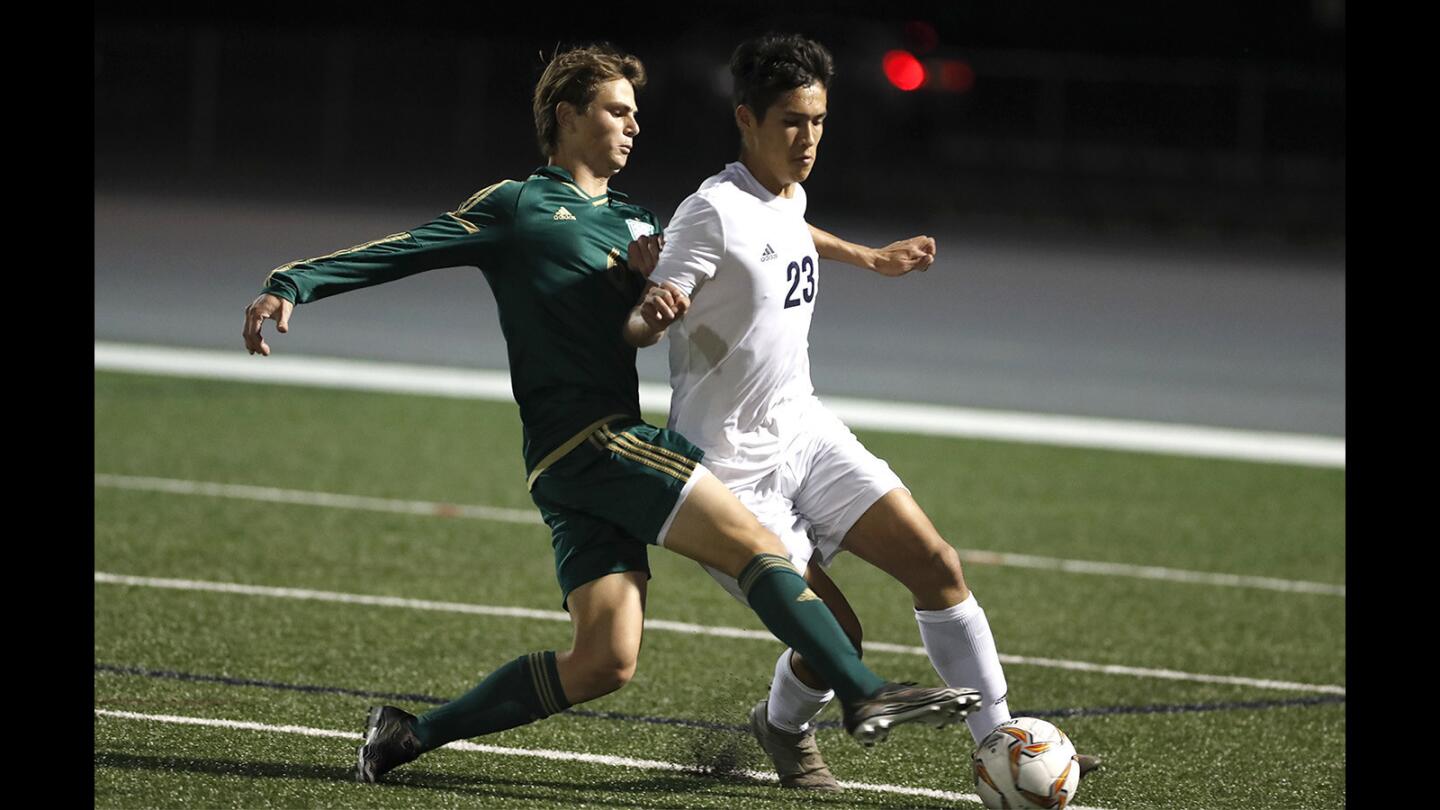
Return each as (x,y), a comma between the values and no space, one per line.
(638,228)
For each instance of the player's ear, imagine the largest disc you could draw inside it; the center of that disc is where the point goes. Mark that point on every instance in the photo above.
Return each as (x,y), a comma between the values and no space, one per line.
(744,118)
(565,113)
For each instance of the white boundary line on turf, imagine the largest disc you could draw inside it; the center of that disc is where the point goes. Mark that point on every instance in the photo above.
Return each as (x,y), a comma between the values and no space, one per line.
(105,578)
(915,418)
(538,753)
(979,557)
(436,509)
(175,486)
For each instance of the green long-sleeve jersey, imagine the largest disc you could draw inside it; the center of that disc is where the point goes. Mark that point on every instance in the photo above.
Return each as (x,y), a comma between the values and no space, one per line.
(555,259)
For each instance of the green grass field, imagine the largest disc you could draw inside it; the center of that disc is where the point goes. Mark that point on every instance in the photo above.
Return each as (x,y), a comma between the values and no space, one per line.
(163,653)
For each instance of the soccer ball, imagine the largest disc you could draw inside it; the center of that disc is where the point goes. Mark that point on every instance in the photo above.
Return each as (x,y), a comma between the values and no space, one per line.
(1026,762)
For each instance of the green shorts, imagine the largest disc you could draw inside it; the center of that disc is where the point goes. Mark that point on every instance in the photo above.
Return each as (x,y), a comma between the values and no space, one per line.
(610,497)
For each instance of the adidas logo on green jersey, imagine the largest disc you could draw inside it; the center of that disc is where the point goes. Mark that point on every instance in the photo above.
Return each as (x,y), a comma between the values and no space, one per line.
(563,215)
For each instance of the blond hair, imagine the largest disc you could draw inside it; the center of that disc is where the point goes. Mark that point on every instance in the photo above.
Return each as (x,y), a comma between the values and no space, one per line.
(575,76)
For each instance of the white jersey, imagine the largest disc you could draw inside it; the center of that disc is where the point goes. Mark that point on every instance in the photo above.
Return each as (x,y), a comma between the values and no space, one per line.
(740,356)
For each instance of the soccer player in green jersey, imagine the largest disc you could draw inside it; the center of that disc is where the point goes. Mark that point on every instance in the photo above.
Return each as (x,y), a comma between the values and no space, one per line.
(557,250)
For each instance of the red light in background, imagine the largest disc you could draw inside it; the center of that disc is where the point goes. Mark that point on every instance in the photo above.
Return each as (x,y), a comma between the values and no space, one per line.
(956,76)
(904,70)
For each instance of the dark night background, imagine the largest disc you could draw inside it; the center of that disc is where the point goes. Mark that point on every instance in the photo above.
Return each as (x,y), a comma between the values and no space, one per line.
(1140,206)
(1168,116)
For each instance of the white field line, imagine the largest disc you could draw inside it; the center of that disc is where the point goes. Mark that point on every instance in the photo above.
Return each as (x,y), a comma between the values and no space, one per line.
(433,508)
(935,420)
(1147,572)
(537,753)
(307,498)
(678,627)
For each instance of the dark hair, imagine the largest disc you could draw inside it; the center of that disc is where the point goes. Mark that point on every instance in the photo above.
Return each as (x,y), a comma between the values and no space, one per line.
(767,67)
(575,76)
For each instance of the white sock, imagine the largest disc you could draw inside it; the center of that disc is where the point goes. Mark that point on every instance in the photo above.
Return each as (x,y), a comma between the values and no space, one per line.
(961,649)
(793,705)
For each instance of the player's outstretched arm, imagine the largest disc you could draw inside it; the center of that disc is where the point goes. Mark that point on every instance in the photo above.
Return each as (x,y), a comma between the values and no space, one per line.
(470,235)
(265,306)
(437,244)
(895,259)
(660,305)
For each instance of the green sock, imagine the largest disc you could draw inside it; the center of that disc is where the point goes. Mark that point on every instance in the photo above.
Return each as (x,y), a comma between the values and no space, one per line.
(523,691)
(787,606)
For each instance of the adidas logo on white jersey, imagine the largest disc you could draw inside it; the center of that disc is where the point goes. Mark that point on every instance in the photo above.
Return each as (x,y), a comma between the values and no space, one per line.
(768,254)
(564,215)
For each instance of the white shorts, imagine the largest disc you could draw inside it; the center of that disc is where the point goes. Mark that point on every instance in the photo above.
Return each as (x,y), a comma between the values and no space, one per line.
(816,493)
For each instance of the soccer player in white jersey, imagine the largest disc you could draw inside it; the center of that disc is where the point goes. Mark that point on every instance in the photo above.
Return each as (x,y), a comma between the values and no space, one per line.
(735,287)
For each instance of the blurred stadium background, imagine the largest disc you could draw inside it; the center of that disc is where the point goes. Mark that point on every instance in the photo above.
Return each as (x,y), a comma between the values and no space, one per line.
(1140,207)
(1140,210)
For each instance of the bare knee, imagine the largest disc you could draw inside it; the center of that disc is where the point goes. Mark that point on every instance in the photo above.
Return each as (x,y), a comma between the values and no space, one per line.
(897,537)
(937,581)
(611,676)
(740,546)
(595,675)
(748,538)
(945,561)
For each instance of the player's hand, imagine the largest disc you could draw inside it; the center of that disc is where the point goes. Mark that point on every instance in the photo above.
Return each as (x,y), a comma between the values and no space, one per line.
(644,253)
(662,304)
(265,306)
(899,258)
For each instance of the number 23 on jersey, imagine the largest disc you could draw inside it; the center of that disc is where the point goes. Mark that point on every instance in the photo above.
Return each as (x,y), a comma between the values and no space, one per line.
(794,273)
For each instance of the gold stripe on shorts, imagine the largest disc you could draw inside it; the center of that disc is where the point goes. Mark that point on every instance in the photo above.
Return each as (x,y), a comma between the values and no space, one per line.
(639,459)
(658,452)
(570,444)
(664,451)
(653,451)
(635,449)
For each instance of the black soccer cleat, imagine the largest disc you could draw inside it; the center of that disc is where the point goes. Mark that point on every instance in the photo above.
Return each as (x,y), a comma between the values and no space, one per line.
(869,721)
(390,741)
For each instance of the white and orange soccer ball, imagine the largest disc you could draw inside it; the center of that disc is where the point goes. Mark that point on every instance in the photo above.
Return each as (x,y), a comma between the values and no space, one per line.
(1026,762)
